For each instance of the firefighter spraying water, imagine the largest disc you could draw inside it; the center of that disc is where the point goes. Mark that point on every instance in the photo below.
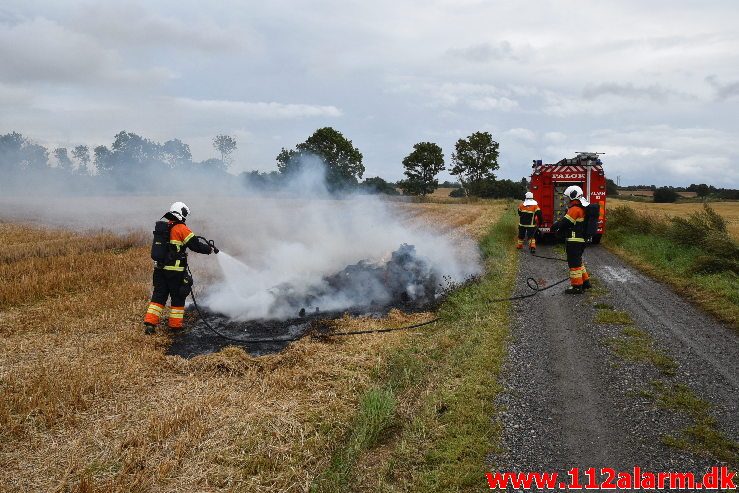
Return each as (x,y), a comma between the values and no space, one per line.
(171,276)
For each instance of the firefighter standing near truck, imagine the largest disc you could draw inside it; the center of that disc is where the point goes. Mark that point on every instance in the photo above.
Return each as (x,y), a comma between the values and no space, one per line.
(171,280)
(573,228)
(529,219)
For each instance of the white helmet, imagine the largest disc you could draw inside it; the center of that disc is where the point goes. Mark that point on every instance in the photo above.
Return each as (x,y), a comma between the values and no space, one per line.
(573,192)
(529,195)
(178,211)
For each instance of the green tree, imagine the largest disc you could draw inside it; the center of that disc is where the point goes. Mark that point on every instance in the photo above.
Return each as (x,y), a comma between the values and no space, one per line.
(475,159)
(343,161)
(62,158)
(82,154)
(176,153)
(103,159)
(665,195)
(17,153)
(130,156)
(378,185)
(611,188)
(11,151)
(702,190)
(35,157)
(225,145)
(421,167)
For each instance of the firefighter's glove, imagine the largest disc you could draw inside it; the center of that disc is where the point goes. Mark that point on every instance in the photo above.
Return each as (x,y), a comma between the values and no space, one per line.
(213,248)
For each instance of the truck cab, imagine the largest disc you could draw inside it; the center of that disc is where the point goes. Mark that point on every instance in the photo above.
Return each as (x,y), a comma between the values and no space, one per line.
(548,182)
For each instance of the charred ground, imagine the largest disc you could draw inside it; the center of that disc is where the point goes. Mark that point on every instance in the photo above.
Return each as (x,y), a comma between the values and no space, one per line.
(405,282)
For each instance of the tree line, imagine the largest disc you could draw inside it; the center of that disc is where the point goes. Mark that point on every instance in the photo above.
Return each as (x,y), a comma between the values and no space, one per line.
(128,152)
(132,161)
(702,191)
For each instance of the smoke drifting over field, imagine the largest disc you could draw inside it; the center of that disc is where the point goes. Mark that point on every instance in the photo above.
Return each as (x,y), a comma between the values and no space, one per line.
(291,240)
(296,243)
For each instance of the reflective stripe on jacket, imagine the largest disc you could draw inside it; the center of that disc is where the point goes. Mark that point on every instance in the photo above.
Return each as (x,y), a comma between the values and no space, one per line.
(179,235)
(528,215)
(574,223)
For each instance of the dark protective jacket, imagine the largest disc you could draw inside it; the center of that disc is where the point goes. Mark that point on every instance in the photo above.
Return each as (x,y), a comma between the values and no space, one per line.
(180,239)
(572,225)
(529,216)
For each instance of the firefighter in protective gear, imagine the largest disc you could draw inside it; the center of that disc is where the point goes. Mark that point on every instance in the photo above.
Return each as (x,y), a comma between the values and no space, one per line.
(572,228)
(529,219)
(170,277)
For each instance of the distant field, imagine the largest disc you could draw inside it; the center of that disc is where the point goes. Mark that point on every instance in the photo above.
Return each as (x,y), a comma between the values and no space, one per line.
(91,404)
(650,193)
(729,210)
(455,219)
(442,193)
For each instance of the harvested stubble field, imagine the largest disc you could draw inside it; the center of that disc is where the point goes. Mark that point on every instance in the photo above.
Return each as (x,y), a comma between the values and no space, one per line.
(91,404)
(729,210)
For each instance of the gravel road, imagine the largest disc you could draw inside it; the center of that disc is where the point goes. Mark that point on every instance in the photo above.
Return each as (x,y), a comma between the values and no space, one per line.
(569,401)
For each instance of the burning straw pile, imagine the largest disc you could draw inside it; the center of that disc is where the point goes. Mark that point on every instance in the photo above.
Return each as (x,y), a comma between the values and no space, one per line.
(406,281)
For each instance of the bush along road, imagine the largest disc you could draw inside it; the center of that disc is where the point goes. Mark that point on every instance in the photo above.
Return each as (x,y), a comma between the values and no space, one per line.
(628,374)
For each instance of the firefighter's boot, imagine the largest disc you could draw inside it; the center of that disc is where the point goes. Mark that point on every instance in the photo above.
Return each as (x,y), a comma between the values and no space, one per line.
(148,329)
(574,290)
(532,250)
(586,284)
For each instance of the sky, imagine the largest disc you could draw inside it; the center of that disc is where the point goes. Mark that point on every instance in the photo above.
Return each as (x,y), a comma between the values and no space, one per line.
(652,84)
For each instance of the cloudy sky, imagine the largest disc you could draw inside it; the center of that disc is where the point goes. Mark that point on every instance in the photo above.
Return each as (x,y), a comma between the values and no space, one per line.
(654,85)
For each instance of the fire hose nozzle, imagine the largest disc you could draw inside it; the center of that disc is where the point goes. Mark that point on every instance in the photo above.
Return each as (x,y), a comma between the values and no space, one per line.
(213,246)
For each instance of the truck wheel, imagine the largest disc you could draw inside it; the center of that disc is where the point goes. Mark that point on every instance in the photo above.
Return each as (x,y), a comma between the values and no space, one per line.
(596,239)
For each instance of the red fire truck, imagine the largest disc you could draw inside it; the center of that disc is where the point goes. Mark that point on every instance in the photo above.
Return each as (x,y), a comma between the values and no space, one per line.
(548,181)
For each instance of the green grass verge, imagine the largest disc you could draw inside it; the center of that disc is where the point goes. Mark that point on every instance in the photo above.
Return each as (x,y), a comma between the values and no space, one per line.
(636,345)
(674,264)
(375,417)
(611,316)
(702,436)
(443,384)
(694,254)
(596,290)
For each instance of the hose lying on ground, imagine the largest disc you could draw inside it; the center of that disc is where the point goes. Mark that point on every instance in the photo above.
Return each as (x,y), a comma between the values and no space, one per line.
(532,284)
(549,258)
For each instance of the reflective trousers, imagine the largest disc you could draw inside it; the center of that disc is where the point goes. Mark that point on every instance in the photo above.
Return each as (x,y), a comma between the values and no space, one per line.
(578,274)
(526,233)
(167,284)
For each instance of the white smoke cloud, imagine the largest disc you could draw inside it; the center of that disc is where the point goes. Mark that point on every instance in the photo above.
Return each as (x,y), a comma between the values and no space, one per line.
(294,237)
(299,241)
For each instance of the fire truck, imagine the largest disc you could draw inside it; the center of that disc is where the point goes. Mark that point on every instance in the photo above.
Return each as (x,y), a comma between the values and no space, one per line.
(548,181)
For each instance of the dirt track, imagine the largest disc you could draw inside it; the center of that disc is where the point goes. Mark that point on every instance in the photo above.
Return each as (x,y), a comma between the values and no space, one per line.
(570,401)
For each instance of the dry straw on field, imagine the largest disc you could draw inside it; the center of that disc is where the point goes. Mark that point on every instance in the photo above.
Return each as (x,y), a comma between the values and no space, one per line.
(91,404)
(728,210)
